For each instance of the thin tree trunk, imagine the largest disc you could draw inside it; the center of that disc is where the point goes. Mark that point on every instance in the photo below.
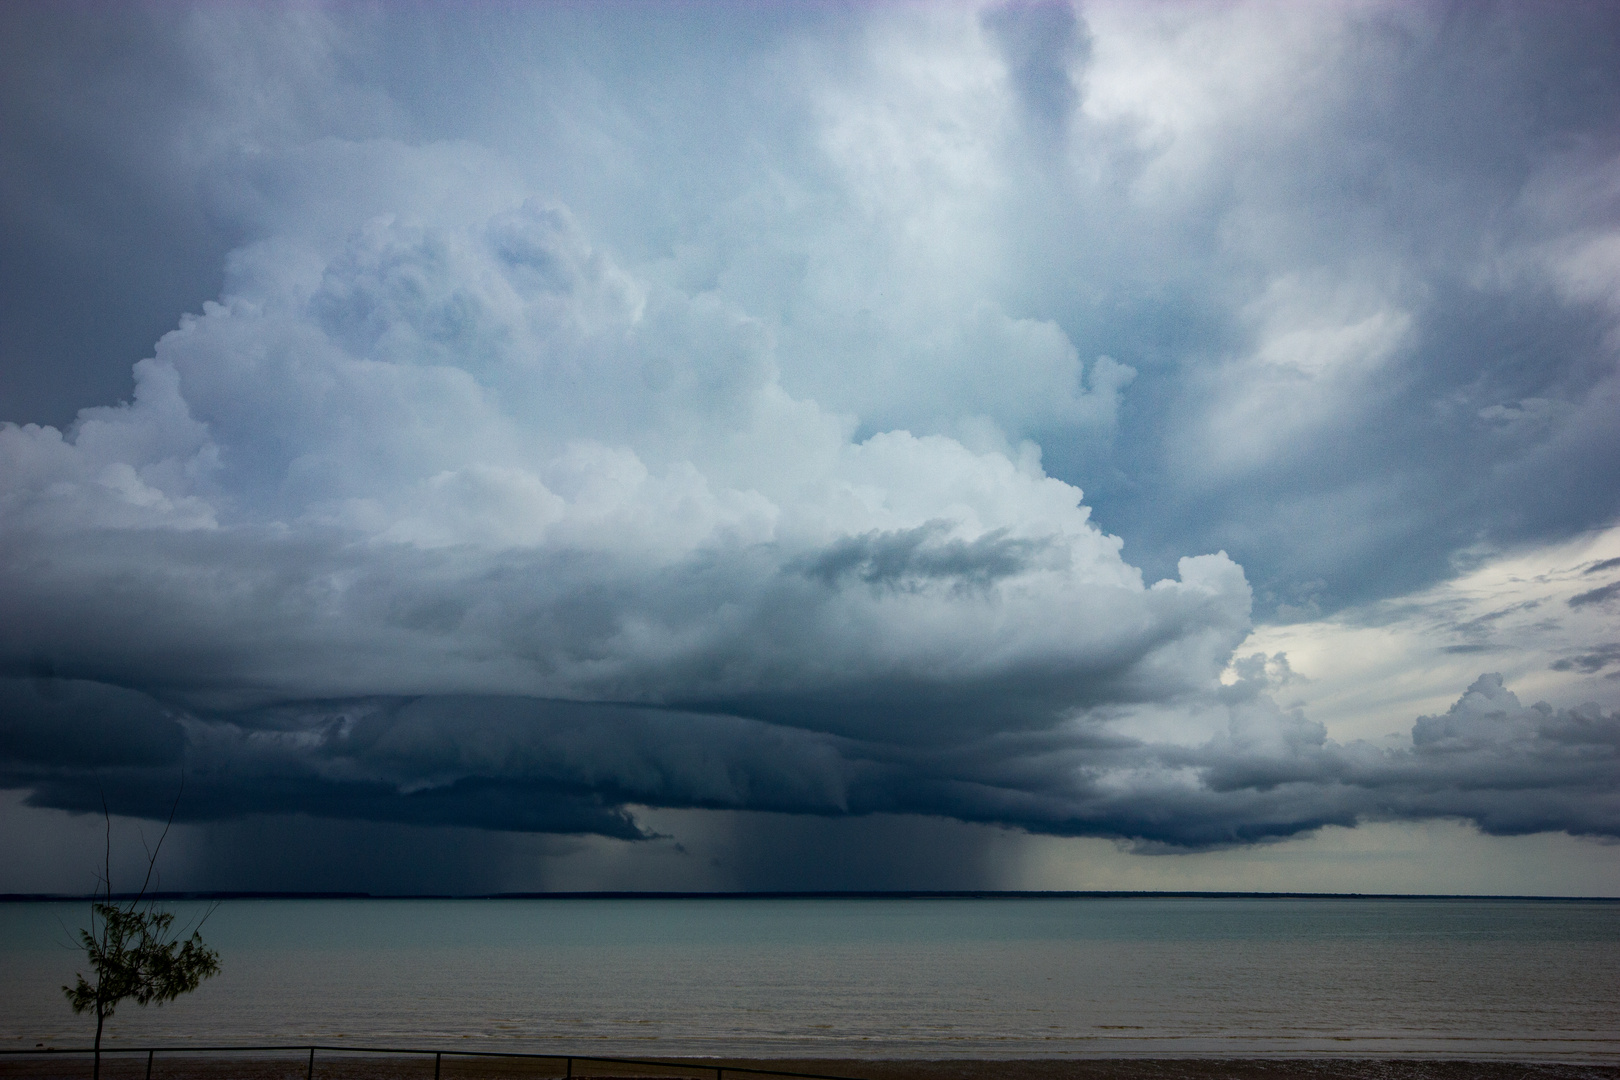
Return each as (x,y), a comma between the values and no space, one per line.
(100,1018)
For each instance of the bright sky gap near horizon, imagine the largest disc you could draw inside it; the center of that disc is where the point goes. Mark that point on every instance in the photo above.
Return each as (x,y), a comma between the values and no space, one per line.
(717,446)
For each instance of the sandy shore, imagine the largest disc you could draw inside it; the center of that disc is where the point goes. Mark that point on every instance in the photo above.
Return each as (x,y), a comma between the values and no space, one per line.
(353,1066)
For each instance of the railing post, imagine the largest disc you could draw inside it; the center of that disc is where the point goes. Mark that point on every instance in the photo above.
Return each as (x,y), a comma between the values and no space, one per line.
(570,1069)
(310,1075)
(436,1059)
(149,1065)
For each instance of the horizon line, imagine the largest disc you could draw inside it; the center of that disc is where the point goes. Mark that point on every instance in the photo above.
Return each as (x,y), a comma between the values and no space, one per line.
(790,894)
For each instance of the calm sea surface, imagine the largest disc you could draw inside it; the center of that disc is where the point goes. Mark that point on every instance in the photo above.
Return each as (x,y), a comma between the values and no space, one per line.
(871,978)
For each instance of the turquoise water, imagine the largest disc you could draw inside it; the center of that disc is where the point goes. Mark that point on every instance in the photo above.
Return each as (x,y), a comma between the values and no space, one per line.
(871,977)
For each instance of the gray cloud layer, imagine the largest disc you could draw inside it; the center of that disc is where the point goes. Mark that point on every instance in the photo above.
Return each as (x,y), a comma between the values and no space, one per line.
(571,435)
(536,765)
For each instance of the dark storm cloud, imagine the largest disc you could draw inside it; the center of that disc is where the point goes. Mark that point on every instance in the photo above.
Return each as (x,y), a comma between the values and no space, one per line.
(531,765)
(571,435)
(90,205)
(1600,595)
(1590,662)
(76,725)
(1044,43)
(923,554)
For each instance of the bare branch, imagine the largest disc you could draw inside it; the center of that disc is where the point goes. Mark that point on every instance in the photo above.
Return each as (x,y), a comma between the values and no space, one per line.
(106,816)
(152,857)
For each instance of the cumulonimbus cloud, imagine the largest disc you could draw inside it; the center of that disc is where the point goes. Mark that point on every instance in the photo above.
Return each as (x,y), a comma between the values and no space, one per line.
(466,524)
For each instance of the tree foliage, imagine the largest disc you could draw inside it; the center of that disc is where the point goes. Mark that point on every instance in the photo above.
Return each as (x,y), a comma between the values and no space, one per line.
(135,956)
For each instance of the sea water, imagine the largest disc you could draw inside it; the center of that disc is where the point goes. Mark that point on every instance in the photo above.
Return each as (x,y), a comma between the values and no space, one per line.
(868,977)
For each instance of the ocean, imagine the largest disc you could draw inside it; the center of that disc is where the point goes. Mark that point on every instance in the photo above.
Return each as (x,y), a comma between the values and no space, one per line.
(869,977)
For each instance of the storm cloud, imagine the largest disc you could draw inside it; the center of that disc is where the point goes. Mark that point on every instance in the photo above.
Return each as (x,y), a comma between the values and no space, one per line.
(710,432)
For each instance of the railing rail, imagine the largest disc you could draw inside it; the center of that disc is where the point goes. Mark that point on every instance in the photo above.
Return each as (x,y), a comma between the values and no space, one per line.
(568,1060)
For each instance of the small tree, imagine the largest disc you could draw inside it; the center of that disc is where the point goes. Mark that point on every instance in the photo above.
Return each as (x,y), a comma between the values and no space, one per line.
(134,951)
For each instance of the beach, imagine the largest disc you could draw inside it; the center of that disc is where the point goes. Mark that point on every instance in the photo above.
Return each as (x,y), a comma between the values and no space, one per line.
(360,1066)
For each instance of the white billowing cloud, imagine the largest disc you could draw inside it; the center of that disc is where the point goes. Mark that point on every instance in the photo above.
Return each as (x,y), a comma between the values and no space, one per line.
(133,466)
(486,458)
(1315,358)
(461,514)
(876,235)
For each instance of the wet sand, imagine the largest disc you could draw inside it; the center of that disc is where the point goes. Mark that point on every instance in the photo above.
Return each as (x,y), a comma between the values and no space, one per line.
(358,1066)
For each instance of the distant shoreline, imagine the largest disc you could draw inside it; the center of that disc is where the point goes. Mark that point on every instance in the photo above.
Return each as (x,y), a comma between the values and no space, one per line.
(910,894)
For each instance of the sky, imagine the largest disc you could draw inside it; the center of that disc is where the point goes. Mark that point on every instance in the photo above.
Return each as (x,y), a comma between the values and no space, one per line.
(738,446)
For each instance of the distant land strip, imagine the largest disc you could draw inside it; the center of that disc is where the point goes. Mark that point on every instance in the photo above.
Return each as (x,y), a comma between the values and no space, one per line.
(876,894)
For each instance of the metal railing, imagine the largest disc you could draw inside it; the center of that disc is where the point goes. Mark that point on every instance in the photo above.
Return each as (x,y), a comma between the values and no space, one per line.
(568,1060)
